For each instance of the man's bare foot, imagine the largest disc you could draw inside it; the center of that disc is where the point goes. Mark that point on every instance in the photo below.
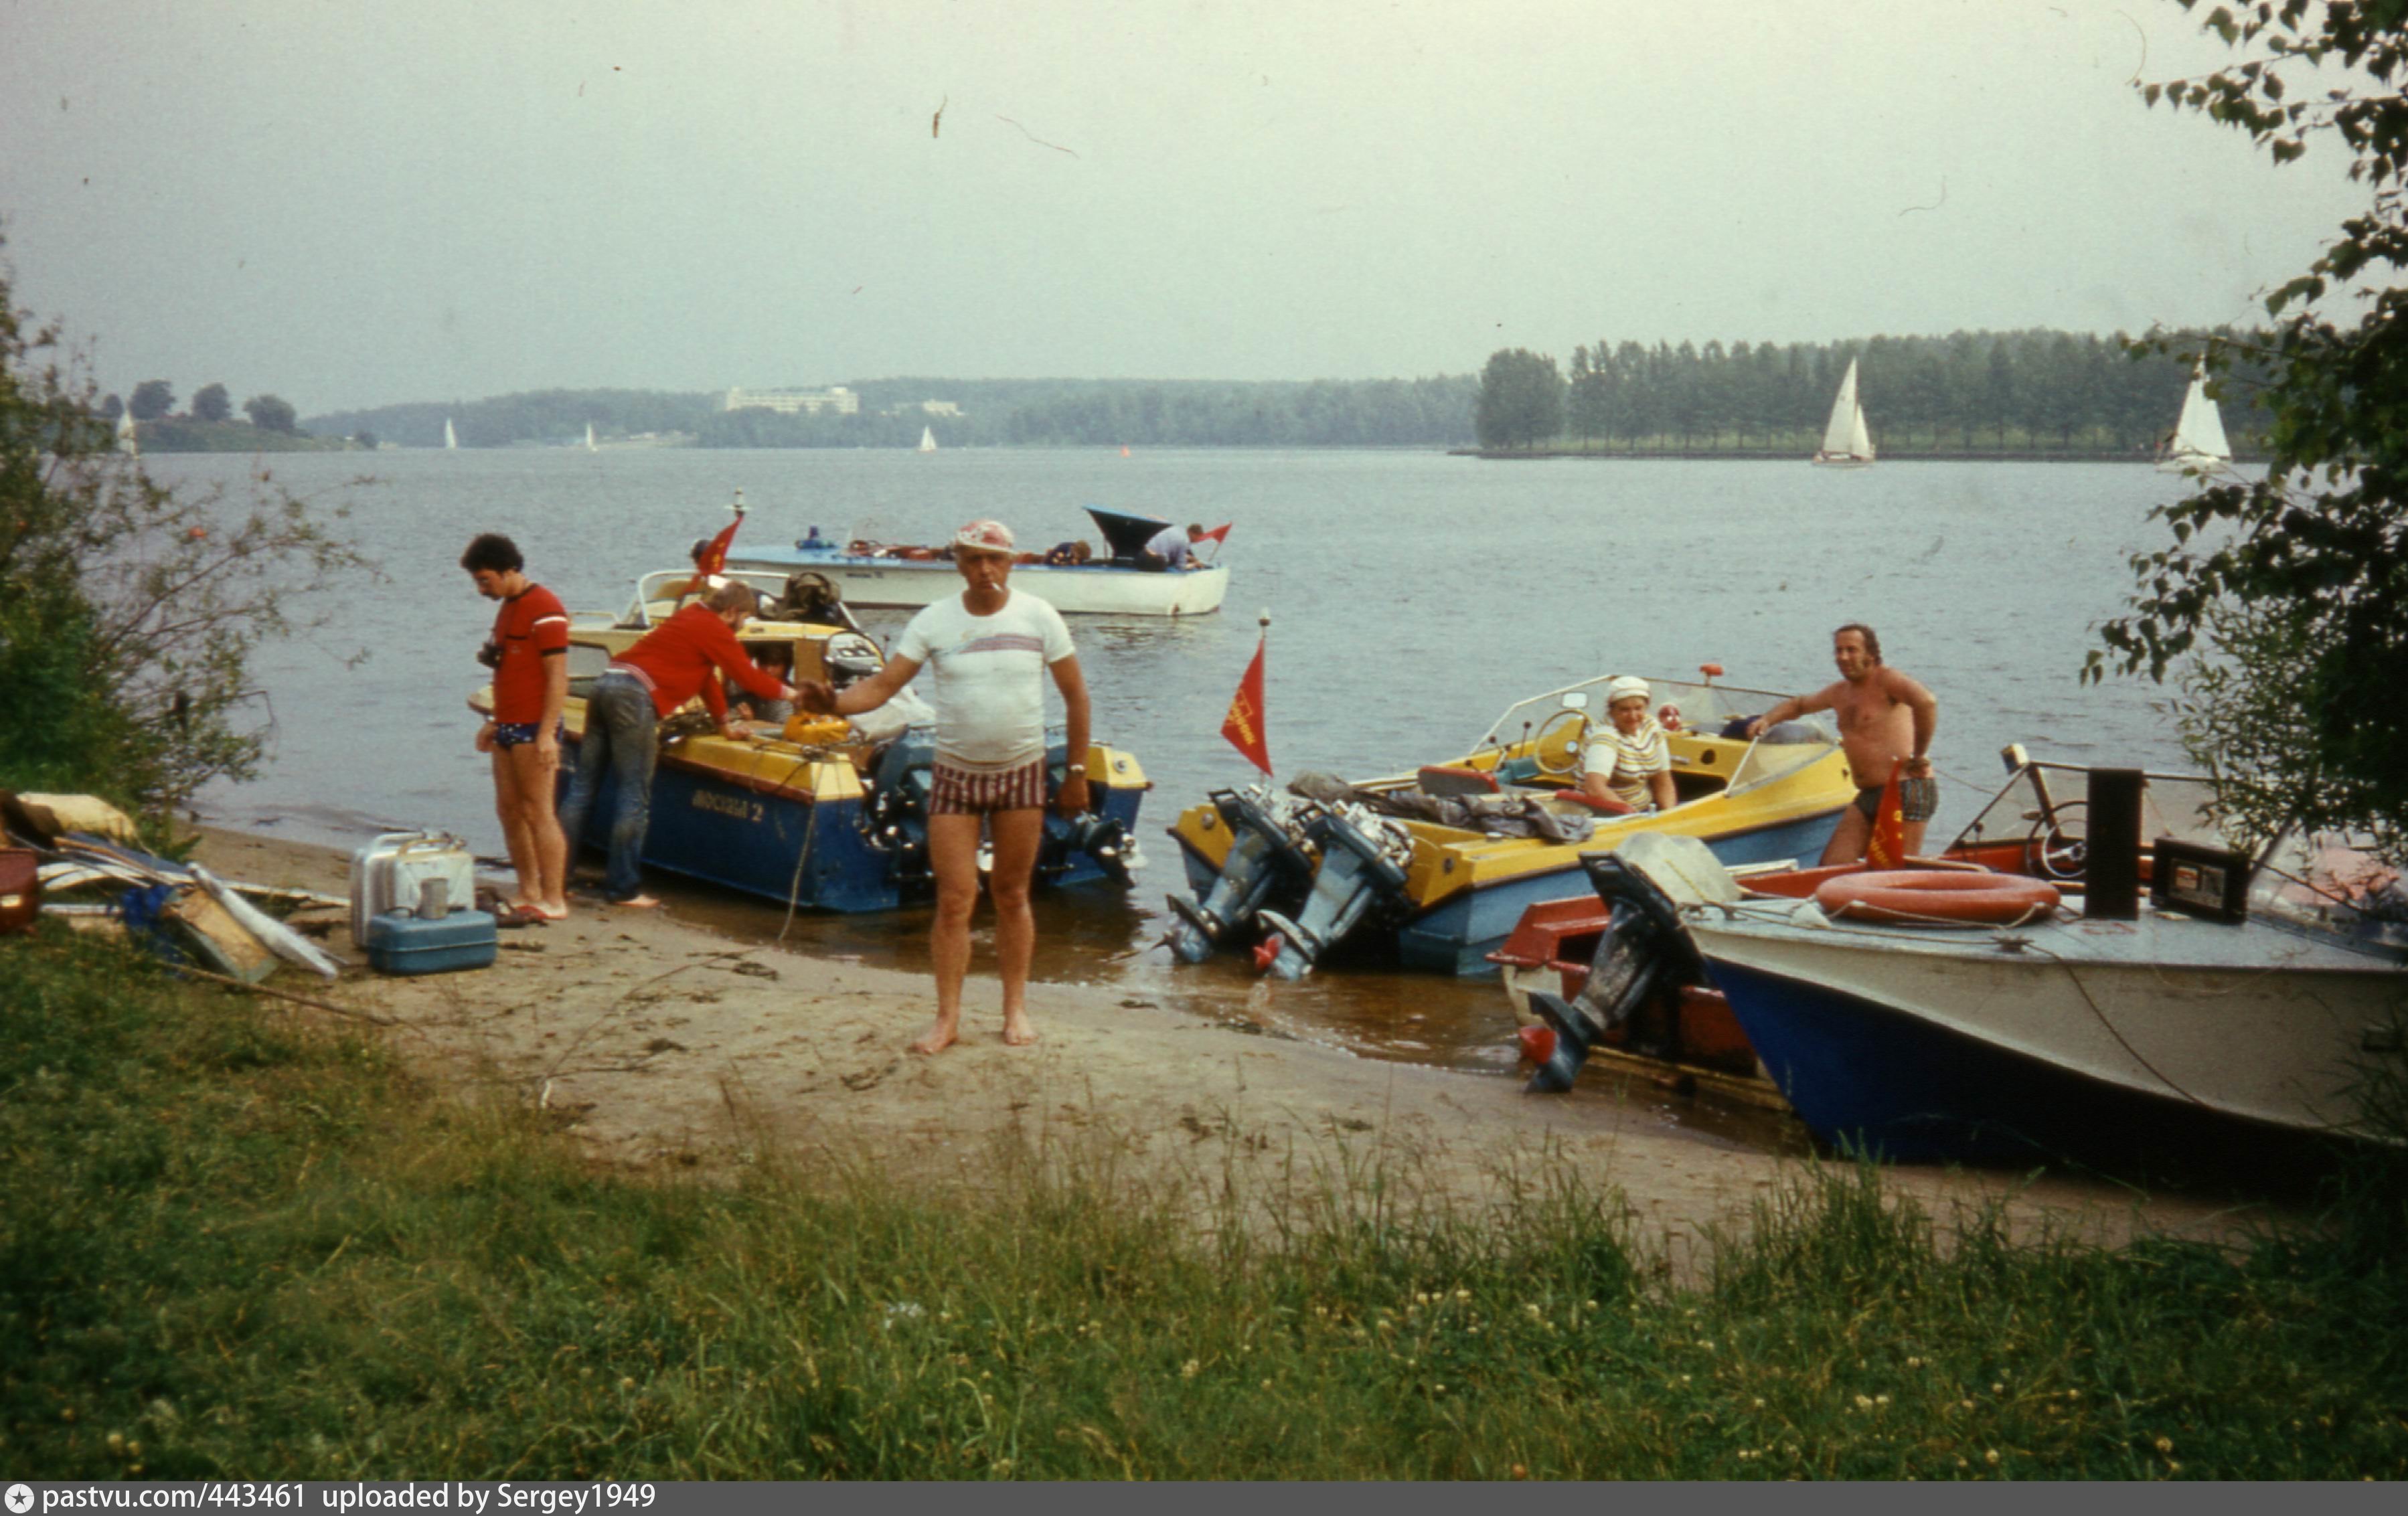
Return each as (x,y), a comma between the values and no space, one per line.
(1017,1031)
(638,902)
(938,1037)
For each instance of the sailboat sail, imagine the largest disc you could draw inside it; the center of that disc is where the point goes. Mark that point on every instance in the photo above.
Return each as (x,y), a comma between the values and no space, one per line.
(128,440)
(1845,440)
(450,439)
(589,437)
(2199,439)
(927,440)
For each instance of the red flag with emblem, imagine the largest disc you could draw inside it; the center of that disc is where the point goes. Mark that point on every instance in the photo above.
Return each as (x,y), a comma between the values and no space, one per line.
(1887,847)
(715,557)
(1244,726)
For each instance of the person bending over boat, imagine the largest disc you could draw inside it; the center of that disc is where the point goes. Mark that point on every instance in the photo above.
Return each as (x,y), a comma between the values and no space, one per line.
(674,662)
(1885,725)
(1627,765)
(990,647)
(529,657)
(1171,548)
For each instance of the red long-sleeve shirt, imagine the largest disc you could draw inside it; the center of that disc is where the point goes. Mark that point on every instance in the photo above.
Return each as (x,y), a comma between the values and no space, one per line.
(675,660)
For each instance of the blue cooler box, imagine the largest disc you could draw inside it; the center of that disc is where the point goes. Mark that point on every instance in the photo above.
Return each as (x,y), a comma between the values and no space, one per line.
(401,943)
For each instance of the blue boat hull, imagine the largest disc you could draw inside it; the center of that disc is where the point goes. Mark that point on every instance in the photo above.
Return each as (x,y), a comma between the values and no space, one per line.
(708,828)
(1458,937)
(1871,1078)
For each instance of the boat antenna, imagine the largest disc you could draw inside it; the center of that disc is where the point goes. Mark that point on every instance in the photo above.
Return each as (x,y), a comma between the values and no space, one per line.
(737,505)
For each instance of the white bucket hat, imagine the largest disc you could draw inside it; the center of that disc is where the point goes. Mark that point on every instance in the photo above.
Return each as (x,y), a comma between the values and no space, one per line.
(1627,686)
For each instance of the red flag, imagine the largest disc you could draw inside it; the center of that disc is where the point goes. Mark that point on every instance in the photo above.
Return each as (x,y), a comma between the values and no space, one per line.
(1887,847)
(1244,725)
(1218,534)
(713,559)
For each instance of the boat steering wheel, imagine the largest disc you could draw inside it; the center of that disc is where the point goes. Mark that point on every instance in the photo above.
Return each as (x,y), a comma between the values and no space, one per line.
(1555,750)
(2058,846)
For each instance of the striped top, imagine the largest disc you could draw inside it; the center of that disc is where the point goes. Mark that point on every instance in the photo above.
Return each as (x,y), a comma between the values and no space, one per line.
(988,676)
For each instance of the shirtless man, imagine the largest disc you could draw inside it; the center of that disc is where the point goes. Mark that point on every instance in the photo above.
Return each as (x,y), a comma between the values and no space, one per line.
(1885,720)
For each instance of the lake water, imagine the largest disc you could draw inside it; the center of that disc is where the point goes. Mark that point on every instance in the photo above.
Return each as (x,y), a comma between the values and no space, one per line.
(1413,597)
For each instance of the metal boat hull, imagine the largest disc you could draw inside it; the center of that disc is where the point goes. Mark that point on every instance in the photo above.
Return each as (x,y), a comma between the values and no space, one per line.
(2069,1037)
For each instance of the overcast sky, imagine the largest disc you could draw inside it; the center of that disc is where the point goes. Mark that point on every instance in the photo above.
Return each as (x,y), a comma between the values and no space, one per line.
(349,204)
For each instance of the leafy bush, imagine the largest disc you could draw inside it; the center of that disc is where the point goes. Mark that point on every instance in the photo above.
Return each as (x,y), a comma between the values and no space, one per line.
(128,611)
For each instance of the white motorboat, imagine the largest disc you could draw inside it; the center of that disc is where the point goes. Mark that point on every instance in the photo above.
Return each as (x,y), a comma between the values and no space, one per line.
(1846,444)
(2236,996)
(1108,584)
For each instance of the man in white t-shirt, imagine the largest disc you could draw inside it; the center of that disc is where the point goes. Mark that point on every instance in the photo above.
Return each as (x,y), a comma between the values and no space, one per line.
(988,651)
(1628,764)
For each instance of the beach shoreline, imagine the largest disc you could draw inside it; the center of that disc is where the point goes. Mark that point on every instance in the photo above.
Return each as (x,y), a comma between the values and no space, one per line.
(661,1047)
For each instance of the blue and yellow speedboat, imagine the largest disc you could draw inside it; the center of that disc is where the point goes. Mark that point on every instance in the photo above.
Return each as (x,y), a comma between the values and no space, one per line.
(1437,865)
(818,811)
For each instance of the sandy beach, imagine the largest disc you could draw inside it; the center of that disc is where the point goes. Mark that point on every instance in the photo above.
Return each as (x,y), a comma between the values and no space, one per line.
(662,1048)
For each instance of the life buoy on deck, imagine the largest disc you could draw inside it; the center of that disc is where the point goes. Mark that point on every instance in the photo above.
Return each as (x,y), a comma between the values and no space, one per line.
(1937,897)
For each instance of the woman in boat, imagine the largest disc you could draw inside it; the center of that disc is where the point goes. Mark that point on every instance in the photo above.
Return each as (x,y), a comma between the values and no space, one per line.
(1628,764)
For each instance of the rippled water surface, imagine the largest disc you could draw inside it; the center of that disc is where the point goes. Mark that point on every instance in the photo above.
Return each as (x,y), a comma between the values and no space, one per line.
(1413,597)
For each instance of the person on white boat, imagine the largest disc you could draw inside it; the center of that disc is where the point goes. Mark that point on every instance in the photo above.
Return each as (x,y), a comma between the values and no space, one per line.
(1171,548)
(1886,721)
(1068,554)
(1628,764)
(529,656)
(990,647)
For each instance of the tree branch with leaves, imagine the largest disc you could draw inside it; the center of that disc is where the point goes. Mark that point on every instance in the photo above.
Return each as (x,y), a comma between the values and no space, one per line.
(2282,601)
(129,611)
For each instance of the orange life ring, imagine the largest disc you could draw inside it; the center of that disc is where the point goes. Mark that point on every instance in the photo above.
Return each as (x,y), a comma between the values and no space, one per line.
(1937,897)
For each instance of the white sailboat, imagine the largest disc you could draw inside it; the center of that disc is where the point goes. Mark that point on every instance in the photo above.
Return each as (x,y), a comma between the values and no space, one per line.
(927,440)
(129,441)
(450,439)
(589,437)
(1846,444)
(2198,444)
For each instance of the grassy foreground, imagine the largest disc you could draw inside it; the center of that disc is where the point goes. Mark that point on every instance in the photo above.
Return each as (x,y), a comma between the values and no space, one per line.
(234,1246)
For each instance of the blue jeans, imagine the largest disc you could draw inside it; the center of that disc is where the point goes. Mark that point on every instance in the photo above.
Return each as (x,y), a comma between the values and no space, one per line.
(619,733)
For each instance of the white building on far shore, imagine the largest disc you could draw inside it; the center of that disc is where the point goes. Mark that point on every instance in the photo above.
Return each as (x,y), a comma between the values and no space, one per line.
(836,399)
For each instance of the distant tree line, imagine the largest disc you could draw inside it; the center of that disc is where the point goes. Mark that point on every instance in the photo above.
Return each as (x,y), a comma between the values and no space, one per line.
(1968,391)
(207,424)
(1975,392)
(1428,412)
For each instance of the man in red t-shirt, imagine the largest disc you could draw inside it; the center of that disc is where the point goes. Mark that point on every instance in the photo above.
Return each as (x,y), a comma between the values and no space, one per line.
(676,660)
(529,657)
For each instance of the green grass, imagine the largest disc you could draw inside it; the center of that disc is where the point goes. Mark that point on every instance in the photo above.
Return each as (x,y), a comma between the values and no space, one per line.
(234,1245)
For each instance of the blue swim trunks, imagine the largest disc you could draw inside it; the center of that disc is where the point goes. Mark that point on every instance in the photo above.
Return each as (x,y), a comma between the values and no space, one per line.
(512,734)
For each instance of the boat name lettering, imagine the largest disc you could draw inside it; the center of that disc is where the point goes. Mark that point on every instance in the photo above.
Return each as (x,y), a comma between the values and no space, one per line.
(731,805)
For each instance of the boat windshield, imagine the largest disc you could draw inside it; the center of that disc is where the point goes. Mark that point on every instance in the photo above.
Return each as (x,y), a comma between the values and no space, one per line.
(2332,884)
(657,594)
(2050,802)
(1717,710)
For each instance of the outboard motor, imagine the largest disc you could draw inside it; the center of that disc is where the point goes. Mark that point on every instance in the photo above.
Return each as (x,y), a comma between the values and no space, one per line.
(1262,856)
(1355,872)
(1645,951)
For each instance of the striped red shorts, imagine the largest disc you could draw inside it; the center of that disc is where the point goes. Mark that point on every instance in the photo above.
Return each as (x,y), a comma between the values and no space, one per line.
(977,792)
